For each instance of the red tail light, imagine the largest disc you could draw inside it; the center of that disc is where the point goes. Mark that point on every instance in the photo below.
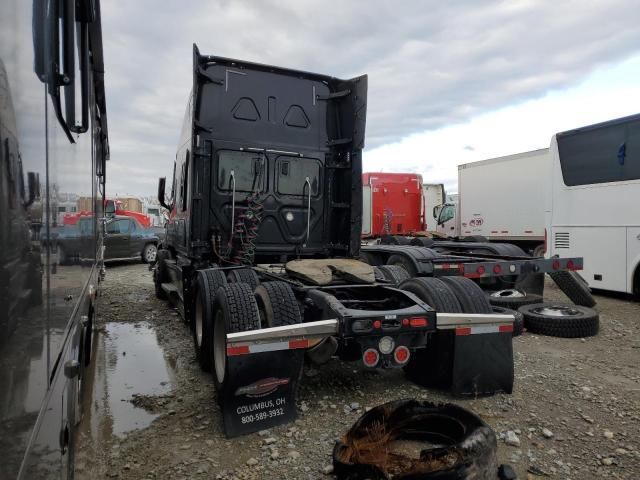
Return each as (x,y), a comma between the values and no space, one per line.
(377,324)
(497,269)
(480,270)
(571,265)
(370,357)
(401,355)
(417,322)
(556,264)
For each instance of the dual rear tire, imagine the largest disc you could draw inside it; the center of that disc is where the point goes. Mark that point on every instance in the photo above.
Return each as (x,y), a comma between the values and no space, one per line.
(235,311)
(223,307)
(432,367)
(207,283)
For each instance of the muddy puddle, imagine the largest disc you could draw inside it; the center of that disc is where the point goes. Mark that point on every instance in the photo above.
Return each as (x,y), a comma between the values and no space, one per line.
(130,374)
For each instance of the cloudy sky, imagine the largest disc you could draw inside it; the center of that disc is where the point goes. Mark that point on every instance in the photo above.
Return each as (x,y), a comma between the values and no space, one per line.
(449,82)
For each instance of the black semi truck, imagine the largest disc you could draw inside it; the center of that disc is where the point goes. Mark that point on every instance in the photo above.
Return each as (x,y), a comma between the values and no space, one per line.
(262,253)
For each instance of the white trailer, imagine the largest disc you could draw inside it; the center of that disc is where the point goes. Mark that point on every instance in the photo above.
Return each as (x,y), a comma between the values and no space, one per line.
(592,211)
(501,199)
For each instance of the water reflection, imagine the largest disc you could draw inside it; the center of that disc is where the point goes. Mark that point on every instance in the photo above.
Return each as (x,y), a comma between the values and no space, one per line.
(129,363)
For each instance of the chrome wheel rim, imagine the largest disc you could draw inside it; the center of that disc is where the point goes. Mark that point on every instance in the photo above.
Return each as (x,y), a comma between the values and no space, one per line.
(509,293)
(556,311)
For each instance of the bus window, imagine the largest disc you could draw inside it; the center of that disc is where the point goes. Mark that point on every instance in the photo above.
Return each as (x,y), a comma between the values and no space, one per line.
(601,154)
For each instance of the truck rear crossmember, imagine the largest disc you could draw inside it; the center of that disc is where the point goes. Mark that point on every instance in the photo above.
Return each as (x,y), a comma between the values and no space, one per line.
(310,334)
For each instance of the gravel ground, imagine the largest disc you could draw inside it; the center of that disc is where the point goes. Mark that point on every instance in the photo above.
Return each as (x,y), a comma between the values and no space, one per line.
(574,413)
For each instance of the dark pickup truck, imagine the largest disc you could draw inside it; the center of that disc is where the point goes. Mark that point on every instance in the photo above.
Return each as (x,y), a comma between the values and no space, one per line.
(124,239)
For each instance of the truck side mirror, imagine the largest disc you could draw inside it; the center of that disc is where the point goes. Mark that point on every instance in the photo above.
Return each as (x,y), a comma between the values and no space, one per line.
(435,212)
(33,188)
(161,187)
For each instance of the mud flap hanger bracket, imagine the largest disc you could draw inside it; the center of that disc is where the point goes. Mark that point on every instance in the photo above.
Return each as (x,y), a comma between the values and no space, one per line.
(451,321)
(311,331)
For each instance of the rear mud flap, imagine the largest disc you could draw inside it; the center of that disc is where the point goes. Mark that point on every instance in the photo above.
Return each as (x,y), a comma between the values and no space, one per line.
(482,364)
(260,392)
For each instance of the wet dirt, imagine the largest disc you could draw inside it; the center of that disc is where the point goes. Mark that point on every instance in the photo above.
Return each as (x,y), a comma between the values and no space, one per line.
(585,393)
(136,372)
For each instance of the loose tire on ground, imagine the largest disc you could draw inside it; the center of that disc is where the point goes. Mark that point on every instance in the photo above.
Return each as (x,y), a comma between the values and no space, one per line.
(404,262)
(396,274)
(235,311)
(518,322)
(457,444)
(556,320)
(512,298)
(471,297)
(244,275)
(207,282)
(277,305)
(574,286)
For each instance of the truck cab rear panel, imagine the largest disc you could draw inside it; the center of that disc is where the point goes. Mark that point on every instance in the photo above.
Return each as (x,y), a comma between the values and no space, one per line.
(268,164)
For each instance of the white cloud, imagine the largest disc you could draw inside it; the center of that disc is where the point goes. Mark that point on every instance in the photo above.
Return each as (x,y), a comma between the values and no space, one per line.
(605,95)
(430,64)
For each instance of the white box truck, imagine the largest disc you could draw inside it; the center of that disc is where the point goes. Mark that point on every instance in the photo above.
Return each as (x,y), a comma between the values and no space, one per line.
(500,199)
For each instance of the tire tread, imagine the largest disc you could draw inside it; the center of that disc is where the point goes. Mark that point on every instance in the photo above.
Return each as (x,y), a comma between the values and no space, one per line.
(471,297)
(574,287)
(284,304)
(244,275)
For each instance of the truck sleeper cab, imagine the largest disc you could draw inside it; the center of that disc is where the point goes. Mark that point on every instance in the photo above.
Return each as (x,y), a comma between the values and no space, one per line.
(263,234)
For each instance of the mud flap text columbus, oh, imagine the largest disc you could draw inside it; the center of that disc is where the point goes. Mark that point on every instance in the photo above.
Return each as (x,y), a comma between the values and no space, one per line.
(261,390)
(264,368)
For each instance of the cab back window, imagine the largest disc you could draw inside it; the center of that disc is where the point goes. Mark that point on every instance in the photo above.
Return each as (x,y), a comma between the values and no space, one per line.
(292,174)
(248,169)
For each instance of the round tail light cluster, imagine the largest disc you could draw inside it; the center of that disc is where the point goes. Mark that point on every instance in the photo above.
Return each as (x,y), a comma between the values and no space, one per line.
(370,357)
(401,355)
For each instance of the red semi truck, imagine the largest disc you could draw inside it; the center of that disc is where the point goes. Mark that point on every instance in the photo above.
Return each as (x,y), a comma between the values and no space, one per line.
(398,204)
